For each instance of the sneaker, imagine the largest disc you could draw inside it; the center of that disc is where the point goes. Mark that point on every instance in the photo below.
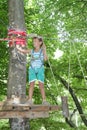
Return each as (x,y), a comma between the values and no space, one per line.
(45,103)
(29,101)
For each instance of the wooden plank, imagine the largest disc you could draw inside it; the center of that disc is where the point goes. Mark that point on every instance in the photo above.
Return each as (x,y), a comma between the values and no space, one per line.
(33,108)
(44,108)
(65,109)
(54,108)
(23,114)
(35,111)
(26,111)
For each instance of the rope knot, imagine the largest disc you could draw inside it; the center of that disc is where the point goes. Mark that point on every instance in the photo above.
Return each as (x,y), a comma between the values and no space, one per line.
(18,36)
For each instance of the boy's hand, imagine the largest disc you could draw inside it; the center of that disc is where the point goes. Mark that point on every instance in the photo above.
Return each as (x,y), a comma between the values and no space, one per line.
(45,57)
(44,46)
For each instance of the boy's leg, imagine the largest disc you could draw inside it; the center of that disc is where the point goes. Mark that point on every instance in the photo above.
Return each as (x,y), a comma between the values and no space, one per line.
(32,79)
(40,77)
(31,89)
(41,86)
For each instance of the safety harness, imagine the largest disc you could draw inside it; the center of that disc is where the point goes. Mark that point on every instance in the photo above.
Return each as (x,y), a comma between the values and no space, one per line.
(33,59)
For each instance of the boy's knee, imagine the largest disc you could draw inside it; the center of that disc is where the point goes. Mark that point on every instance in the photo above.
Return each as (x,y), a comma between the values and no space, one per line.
(40,83)
(32,84)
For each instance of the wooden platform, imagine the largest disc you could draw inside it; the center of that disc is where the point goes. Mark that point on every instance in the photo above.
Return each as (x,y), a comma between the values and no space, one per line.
(26,111)
(9,110)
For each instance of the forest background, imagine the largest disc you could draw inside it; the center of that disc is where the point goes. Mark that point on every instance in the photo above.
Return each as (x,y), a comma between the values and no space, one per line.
(63,25)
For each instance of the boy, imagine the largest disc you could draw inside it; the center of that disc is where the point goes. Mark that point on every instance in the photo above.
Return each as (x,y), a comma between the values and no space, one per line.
(36,69)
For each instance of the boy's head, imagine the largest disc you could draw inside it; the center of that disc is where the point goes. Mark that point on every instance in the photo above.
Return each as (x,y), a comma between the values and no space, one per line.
(37,42)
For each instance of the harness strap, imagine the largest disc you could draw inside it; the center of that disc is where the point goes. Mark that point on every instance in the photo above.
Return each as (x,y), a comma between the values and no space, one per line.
(32,59)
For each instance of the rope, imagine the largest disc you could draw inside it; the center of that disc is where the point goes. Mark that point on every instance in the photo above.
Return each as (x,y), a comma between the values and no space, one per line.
(54,79)
(13,31)
(57,39)
(78,57)
(69,67)
(19,37)
(10,40)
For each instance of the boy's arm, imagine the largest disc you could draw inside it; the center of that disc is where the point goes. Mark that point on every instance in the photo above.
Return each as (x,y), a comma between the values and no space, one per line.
(44,52)
(25,51)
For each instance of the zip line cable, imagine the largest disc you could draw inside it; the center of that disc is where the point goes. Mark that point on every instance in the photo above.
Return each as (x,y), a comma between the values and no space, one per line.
(69,66)
(54,79)
(78,58)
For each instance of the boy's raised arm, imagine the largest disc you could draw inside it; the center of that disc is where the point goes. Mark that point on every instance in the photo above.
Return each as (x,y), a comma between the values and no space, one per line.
(44,52)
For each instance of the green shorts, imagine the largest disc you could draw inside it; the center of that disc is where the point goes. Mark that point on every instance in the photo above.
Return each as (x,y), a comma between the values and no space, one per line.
(36,74)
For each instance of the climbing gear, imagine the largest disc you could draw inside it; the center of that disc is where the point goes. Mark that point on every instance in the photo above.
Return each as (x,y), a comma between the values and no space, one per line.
(80,64)
(20,37)
(36,58)
(33,59)
(54,79)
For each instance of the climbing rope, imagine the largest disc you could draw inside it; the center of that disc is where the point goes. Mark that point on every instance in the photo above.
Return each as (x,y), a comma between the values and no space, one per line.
(78,58)
(20,37)
(69,66)
(54,79)
(16,38)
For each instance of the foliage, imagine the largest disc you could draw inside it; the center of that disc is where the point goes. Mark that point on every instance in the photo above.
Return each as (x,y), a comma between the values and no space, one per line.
(63,25)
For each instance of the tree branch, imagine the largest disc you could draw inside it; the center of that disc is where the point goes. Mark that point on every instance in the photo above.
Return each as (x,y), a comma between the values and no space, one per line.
(75,99)
(70,123)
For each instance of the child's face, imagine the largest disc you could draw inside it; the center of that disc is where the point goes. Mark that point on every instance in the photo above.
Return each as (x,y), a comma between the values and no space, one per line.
(36,43)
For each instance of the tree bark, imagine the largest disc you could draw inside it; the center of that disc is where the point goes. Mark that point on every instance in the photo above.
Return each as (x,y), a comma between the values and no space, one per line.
(17,63)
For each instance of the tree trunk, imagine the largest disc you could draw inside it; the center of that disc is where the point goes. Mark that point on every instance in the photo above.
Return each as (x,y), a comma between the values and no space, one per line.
(17,63)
